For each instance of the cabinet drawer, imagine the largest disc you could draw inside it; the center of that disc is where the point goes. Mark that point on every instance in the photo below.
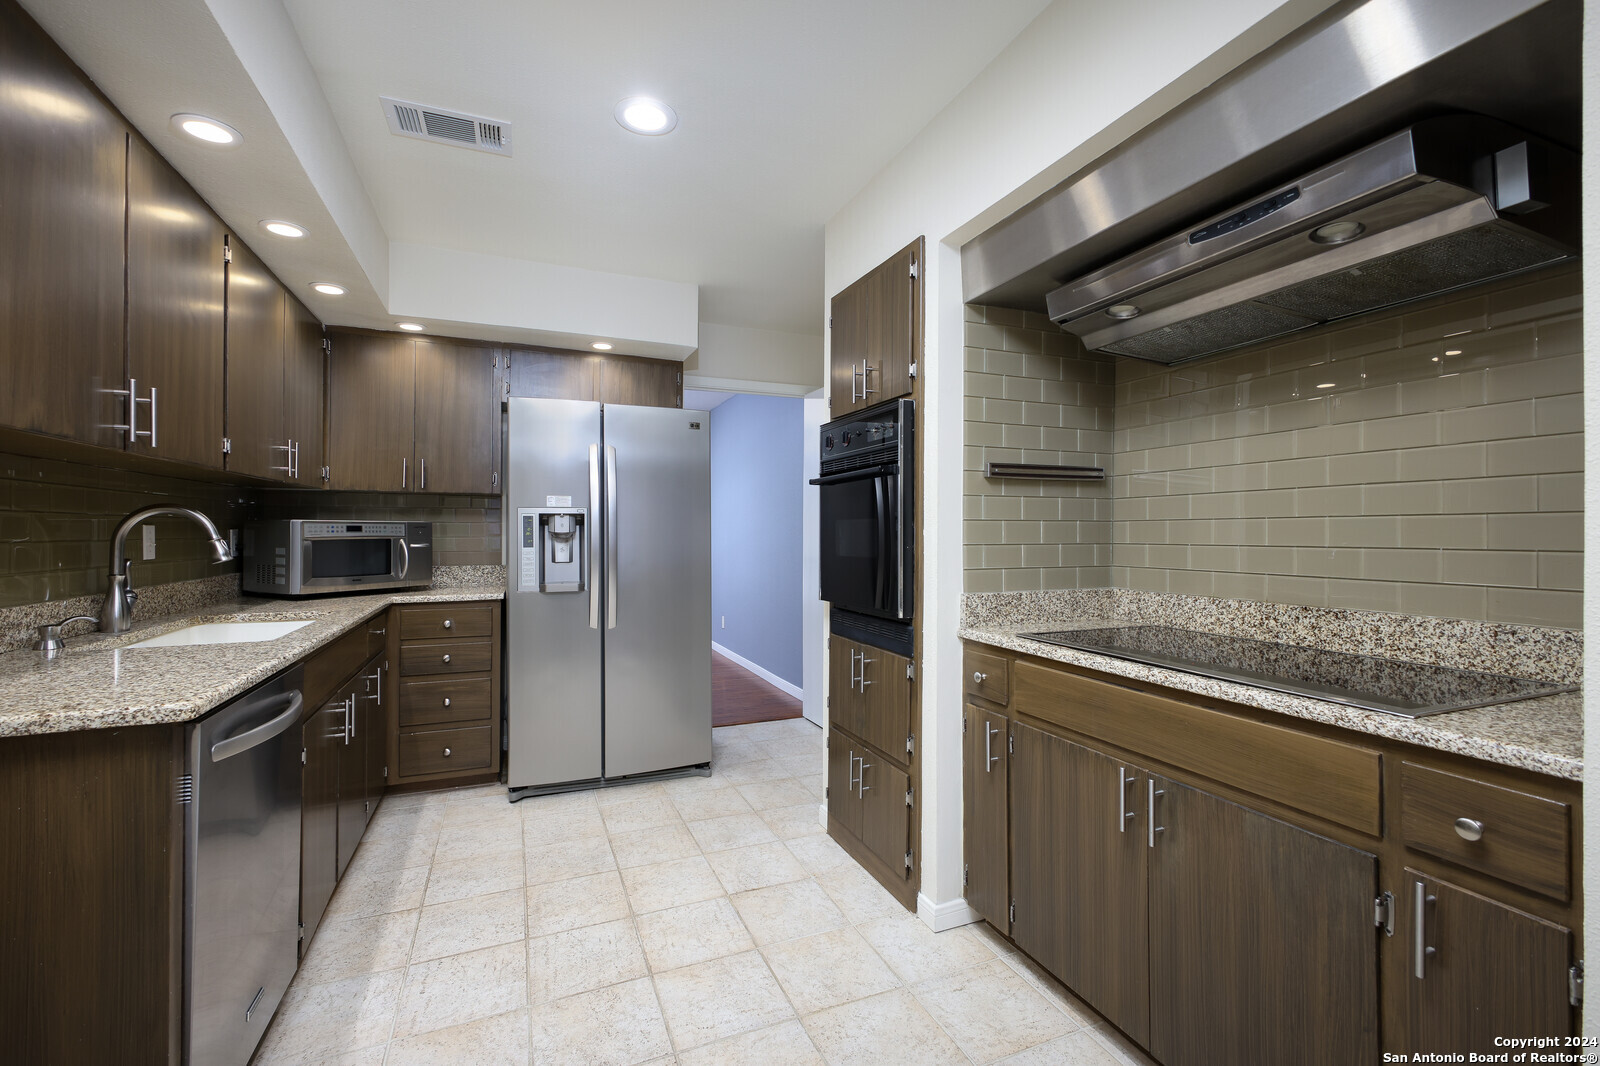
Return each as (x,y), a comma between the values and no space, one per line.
(1523,839)
(987,675)
(445,657)
(447,620)
(332,665)
(435,702)
(436,751)
(1326,778)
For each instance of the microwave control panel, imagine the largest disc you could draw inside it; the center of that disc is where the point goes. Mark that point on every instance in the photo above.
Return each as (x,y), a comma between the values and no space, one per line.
(354,529)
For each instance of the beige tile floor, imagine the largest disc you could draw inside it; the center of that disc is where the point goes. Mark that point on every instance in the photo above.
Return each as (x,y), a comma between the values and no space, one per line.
(700,921)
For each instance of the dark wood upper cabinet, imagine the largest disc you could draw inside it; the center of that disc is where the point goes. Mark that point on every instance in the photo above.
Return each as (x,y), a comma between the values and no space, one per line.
(372,412)
(305,379)
(256,322)
(641,382)
(553,375)
(875,328)
(985,765)
(1262,946)
(63,167)
(1487,970)
(457,417)
(177,289)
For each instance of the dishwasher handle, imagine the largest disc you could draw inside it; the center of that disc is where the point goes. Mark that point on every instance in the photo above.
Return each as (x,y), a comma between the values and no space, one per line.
(224,749)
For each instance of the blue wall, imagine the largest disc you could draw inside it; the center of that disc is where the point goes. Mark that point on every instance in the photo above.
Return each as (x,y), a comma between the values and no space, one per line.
(757,478)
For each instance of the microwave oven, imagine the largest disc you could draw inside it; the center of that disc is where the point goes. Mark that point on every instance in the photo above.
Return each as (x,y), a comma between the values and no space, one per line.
(297,557)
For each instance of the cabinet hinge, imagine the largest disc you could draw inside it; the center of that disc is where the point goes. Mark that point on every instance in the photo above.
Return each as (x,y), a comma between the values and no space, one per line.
(1575,984)
(386,773)
(909,796)
(302,756)
(908,860)
(911,741)
(909,672)
(302,930)
(913,268)
(227,250)
(1011,743)
(963,725)
(966,875)
(913,370)
(366,806)
(826,792)
(1011,913)
(184,791)
(1383,913)
(327,345)
(227,446)
(324,475)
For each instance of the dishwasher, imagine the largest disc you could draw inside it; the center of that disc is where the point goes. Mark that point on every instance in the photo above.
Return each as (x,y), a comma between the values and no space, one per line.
(241,869)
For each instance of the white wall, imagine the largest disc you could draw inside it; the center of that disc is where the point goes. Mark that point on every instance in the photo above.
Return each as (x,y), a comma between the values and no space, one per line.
(1081,78)
(814,614)
(1591,444)
(755,360)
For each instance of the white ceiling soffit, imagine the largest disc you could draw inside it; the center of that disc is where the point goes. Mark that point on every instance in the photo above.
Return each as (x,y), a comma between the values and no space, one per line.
(701,400)
(785,111)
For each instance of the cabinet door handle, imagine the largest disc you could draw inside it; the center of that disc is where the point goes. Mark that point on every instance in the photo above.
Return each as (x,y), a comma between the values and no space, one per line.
(447,658)
(403,461)
(424,464)
(1469,829)
(989,733)
(853,677)
(862,788)
(447,753)
(153,417)
(865,370)
(447,701)
(1124,779)
(979,677)
(448,624)
(850,773)
(1154,828)
(1420,951)
(864,662)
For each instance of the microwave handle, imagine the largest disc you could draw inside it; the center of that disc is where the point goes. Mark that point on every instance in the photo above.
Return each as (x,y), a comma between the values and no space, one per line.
(853,475)
(405,558)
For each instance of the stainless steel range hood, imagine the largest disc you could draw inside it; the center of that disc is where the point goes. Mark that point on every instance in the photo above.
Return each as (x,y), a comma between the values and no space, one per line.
(1446,203)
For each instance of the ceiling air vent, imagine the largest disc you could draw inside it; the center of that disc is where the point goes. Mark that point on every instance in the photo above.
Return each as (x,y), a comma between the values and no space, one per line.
(446,127)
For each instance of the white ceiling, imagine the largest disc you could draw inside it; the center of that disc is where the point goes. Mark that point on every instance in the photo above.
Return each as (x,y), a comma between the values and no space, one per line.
(785,111)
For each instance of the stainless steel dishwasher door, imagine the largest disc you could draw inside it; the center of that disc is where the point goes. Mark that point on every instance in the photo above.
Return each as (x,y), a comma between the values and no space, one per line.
(242,870)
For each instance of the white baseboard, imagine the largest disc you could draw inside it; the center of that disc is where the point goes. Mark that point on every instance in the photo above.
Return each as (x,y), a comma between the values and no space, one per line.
(822,815)
(764,674)
(942,916)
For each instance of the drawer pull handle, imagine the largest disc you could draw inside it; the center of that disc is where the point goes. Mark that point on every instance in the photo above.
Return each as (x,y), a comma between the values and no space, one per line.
(447,658)
(447,753)
(979,677)
(1469,829)
(449,624)
(447,701)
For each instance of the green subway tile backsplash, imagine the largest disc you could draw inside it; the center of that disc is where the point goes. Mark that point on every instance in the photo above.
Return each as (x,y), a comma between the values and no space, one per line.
(1427,461)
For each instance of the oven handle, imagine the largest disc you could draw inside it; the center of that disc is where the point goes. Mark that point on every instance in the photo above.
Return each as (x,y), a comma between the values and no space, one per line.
(854,475)
(878,496)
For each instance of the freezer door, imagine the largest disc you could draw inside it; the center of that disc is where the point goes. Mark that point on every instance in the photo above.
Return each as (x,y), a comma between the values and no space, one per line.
(658,592)
(553,638)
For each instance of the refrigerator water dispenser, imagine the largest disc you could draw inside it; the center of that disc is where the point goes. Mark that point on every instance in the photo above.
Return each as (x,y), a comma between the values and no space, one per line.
(553,551)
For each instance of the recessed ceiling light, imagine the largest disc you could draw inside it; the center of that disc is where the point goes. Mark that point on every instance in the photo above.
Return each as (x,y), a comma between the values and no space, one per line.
(642,114)
(1327,385)
(328,288)
(600,346)
(1453,351)
(410,327)
(207,129)
(279,228)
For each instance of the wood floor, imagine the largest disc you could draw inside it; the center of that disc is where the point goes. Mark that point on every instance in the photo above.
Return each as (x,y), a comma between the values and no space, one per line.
(739,697)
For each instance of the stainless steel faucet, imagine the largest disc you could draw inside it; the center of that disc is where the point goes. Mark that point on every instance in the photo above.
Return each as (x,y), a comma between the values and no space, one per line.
(117,614)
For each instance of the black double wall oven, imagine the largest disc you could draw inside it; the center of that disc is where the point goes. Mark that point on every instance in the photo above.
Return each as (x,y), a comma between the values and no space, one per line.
(867,541)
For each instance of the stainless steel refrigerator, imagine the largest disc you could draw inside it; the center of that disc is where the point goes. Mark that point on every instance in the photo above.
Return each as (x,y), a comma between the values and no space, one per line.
(608,613)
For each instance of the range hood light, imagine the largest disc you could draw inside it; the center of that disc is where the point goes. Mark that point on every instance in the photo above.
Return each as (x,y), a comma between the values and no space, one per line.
(1453,351)
(1338,232)
(1121,312)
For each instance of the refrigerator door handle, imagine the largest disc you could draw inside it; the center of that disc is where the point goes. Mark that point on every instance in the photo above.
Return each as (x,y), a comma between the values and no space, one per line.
(611,536)
(591,533)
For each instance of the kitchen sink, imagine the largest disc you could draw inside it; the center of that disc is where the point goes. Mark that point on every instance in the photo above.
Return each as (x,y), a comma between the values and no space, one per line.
(222,633)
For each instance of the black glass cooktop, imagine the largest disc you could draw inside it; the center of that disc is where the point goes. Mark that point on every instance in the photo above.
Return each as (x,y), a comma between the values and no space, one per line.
(1368,681)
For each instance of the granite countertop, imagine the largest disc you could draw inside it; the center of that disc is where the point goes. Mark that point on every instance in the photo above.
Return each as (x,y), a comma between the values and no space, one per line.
(99,682)
(1544,735)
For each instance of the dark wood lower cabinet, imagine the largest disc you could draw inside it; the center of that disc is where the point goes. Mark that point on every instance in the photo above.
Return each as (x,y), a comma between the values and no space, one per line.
(1464,937)
(986,763)
(323,738)
(1262,945)
(444,719)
